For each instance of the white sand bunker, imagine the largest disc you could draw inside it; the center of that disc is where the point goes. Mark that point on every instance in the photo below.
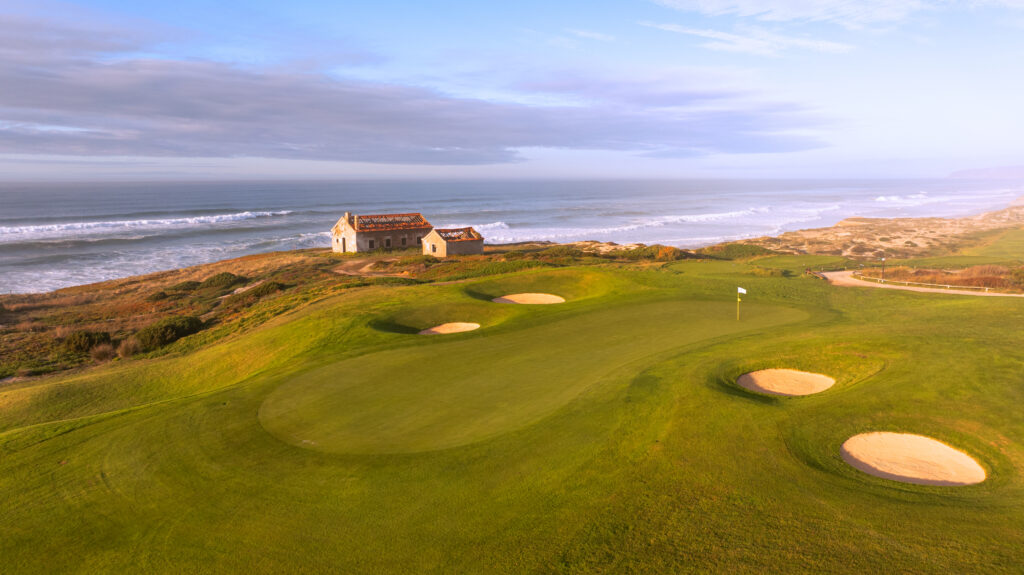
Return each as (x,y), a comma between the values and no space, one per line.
(911,459)
(529,298)
(789,382)
(453,327)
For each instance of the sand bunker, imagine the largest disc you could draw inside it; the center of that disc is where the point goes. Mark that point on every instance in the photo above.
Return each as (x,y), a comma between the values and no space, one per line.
(789,382)
(453,327)
(530,298)
(911,459)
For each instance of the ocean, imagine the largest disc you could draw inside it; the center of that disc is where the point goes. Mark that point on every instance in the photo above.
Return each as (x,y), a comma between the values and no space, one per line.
(60,235)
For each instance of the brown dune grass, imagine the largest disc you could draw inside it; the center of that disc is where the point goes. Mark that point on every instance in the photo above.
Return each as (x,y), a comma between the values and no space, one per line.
(986,276)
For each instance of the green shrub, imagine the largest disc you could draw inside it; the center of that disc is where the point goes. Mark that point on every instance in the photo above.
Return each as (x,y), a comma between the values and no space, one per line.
(166,331)
(517,255)
(734,251)
(266,288)
(426,260)
(221,281)
(184,286)
(770,272)
(638,253)
(1017,276)
(250,296)
(157,296)
(83,341)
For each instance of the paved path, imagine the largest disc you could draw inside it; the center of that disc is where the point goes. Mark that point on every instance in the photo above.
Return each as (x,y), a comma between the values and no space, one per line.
(846,279)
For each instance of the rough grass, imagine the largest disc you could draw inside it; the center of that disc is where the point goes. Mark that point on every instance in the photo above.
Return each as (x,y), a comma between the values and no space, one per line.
(645,458)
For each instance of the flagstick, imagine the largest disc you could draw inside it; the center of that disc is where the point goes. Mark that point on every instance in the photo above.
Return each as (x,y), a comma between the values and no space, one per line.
(737,308)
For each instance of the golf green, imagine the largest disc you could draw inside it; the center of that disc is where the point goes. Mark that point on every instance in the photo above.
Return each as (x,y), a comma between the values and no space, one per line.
(449,394)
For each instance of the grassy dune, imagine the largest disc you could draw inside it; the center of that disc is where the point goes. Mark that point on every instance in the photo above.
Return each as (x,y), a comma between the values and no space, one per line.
(600,435)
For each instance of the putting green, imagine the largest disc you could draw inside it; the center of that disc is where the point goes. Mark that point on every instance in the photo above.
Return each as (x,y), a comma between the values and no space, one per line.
(438,396)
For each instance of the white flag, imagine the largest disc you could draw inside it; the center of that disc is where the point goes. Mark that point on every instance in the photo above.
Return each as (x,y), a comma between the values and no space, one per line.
(740,290)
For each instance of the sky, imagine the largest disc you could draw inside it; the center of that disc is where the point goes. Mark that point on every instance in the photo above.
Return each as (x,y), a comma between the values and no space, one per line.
(193,89)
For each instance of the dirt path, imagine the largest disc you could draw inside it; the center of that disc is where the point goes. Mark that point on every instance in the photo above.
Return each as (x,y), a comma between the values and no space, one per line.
(364,268)
(846,278)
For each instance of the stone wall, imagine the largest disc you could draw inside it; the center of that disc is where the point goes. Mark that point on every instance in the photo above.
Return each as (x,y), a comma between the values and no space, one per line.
(351,241)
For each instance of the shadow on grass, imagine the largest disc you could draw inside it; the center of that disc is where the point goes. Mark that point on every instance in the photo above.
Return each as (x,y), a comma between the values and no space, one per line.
(390,326)
(479,295)
(728,385)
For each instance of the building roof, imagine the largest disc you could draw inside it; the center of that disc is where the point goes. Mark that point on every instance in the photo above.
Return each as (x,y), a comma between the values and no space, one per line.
(386,222)
(458,234)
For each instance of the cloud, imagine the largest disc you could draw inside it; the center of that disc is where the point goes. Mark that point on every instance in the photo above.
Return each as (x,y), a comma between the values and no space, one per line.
(843,12)
(70,91)
(589,35)
(757,41)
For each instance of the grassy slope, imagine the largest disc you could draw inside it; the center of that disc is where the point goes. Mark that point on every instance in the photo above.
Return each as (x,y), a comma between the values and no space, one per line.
(647,460)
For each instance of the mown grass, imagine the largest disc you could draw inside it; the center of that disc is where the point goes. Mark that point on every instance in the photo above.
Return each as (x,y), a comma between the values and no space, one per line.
(599,435)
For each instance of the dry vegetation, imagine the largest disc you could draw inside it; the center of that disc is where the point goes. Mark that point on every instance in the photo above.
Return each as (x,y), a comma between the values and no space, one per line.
(988,276)
(41,333)
(872,238)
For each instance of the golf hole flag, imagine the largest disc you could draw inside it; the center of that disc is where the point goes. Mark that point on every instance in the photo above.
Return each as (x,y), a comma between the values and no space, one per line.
(739,291)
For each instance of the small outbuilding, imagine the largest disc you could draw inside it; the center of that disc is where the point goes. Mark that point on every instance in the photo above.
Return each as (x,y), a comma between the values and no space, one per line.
(453,242)
(355,233)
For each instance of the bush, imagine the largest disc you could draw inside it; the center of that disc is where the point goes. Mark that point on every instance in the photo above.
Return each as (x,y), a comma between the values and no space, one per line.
(167,330)
(669,254)
(770,272)
(221,281)
(102,352)
(267,288)
(638,253)
(184,286)
(735,251)
(517,255)
(128,348)
(249,296)
(426,260)
(1017,276)
(157,296)
(83,341)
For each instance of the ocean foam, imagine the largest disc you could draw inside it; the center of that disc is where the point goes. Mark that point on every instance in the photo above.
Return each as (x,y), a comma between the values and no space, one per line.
(501,232)
(43,231)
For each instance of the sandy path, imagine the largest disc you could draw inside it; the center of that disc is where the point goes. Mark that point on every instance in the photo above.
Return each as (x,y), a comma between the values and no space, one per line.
(529,298)
(846,278)
(911,459)
(788,382)
(453,327)
(364,268)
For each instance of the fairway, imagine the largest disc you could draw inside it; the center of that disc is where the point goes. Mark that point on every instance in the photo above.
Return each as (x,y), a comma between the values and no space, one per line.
(606,434)
(449,394)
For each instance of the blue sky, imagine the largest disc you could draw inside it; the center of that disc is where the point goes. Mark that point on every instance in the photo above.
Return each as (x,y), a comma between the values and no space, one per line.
(645,88)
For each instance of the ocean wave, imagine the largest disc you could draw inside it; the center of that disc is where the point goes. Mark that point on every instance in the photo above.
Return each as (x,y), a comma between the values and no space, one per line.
(501,232)
(920,197)
(490,226)
(17,233)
